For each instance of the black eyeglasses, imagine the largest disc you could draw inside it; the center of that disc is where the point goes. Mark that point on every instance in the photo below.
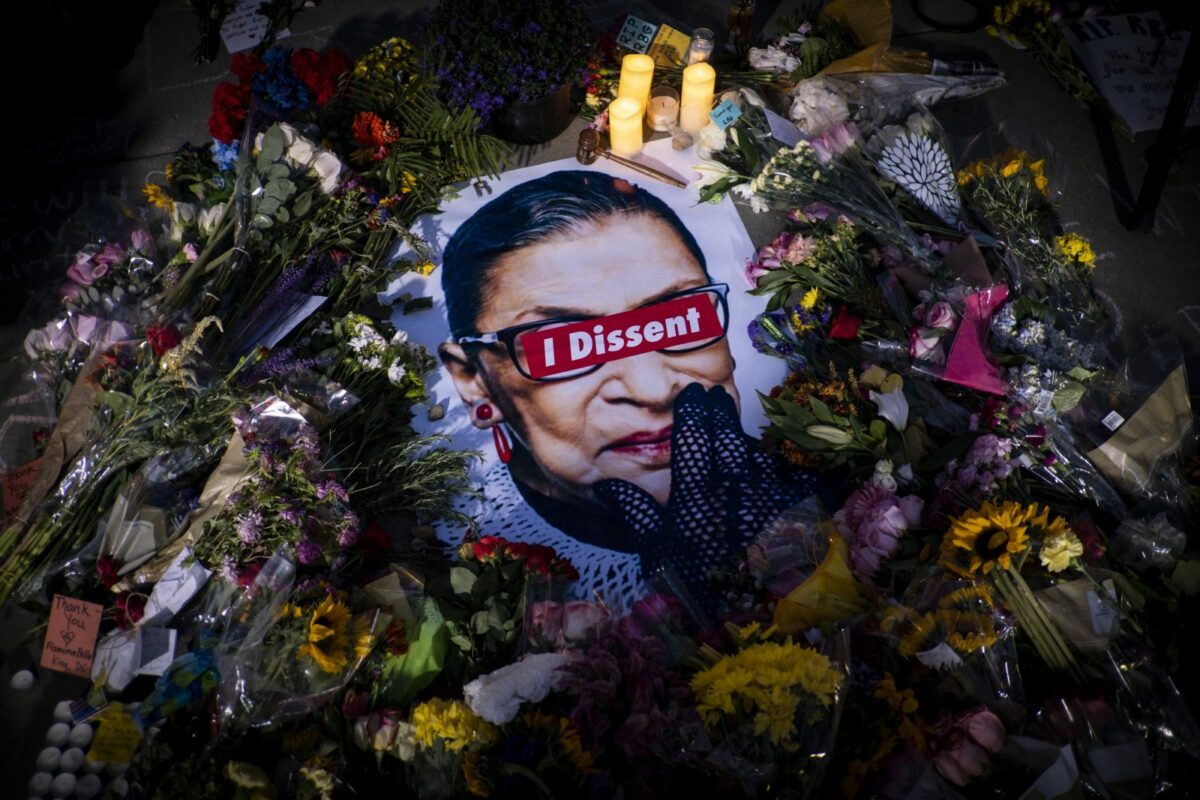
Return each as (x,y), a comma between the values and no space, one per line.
(512,338)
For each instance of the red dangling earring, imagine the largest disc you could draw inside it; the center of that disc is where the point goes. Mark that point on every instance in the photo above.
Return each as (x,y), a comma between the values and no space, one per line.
(499,439)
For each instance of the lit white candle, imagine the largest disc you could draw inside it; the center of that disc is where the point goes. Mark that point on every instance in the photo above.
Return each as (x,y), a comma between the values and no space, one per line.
(637,73)
(699,81)
(625,126)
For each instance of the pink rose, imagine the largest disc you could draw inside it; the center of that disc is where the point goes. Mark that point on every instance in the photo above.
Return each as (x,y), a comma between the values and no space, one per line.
(963,745)
(545,623)
(580,618)
(923,346)
(142,241)
(190,253)
(81,268)
(941,315)
(912,507)
(69,291)
(109,254)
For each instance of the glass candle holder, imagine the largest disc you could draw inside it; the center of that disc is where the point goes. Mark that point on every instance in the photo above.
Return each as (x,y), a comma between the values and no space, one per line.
(663,109)
(701,47)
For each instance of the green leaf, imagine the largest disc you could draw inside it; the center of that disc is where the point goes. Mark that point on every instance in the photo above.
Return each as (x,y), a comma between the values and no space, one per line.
(303,204)
(479,622)
(821,410)
(878,429)
(1068,396)
(276,171)
(282,215)
(462,580)
(403,677)
(272,147)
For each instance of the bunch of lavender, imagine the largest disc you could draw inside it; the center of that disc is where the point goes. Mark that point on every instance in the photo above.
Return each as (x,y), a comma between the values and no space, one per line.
(288,500)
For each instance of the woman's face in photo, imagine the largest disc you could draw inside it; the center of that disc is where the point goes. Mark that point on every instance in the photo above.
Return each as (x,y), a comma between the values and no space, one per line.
(614,422)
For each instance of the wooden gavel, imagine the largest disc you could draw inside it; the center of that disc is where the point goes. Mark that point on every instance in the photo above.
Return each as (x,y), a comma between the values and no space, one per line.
(590,149)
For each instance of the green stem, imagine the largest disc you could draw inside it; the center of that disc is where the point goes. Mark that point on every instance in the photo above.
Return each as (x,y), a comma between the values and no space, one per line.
(181,291)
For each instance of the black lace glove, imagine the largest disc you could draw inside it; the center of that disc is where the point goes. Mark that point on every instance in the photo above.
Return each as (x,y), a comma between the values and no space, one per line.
(724,490)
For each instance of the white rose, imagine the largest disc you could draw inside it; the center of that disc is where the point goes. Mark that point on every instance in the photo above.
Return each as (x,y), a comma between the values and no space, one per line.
(302,152)
(396,373)
(328,169)
(208,218)
(711,140)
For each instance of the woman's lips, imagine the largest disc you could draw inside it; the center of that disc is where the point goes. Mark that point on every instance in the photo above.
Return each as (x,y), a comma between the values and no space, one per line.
(650,447)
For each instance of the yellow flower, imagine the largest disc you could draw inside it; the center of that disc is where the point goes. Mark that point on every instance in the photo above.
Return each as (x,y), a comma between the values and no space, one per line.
(903,701)
(364,637)
(1058,551)
(476,782)
(328,641)
(988,537)
(425,267)
(158,196)
(1010,169)
(450,722)
(169,171)
(1074,247)
(809,301)
(914,640)
(966,595)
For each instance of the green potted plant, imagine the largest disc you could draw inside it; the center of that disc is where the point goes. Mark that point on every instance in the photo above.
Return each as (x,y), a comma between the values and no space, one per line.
(513,61)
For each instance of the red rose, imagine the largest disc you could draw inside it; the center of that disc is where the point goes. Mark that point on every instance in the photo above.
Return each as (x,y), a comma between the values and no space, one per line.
(162,338)
(516,550)
(107,567)
(320,71)
(245,66)
(249,575)
(228,111)
(486,547)
(374,542)
(130,609)
(845,325)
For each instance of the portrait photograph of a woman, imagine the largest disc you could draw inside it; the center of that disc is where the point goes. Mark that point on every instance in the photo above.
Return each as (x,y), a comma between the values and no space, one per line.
(636,465)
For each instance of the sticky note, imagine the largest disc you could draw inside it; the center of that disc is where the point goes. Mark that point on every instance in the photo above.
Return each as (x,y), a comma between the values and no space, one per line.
(16,485)
(70,643)
(636,34)
(117,738)
(725,114)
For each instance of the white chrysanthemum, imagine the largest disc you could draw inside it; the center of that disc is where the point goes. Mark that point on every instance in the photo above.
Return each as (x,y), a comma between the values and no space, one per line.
(920,166)
(497,696)
(396,373)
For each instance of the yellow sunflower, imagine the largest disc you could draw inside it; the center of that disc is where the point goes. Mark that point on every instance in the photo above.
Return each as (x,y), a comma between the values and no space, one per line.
(364,636)
(328,641)
(988,537)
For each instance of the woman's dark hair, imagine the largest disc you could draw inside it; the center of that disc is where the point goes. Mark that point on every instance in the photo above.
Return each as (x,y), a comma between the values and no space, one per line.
(529,213)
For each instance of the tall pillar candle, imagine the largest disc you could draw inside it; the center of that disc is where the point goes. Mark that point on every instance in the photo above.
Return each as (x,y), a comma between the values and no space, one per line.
(637,73)
(699,81)
(625,126)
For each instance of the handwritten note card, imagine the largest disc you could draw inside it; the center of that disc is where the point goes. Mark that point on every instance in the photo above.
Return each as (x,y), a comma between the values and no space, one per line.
(70,643)
(725,114)
(636,34)
(1133,61)
(117,738)
(16,485)
(245,27)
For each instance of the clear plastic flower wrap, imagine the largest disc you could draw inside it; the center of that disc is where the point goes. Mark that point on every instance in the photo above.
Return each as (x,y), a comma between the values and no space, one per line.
(1133,423)
(288,649)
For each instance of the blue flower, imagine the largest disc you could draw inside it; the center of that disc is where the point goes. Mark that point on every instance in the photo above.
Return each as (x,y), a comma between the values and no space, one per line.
(225,156)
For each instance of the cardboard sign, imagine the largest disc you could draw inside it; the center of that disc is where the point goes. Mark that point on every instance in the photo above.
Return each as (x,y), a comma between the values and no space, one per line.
(1134,63)
(636,34)
(117,738)
(676,323)
(17,484)
(70,643)
(725,114)
(669,47)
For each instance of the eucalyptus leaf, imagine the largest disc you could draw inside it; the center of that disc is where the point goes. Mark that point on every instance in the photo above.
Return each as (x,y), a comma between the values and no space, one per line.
(303,204)
(262,221)
(272,145)
(461,580)
(282,215)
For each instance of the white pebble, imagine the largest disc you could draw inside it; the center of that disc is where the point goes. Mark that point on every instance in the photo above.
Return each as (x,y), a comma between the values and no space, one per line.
(93,766)
(39,784)
(62,712)
(58,734)
(116,770)
(81,735)
(72,760)
(48,760)
(21,680)
(88,787)
(119,787)
(63,785)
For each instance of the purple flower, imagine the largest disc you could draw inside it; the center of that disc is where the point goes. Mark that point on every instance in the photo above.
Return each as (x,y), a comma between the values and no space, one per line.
(308,551)
(331,487)
(348,535)
(249,526)
(292,515)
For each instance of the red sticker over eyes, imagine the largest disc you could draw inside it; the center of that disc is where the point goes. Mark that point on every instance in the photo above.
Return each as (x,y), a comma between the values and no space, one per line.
(672,325)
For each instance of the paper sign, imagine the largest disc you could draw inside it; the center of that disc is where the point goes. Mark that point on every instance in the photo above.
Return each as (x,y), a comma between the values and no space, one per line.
(1134,62)
(117,738)
(174,589)
(784,130)
(679,323)
(157,650)
(16,485)
(1104,615)
(669,47)
(245,27)
(71,636)
(636,34)
(725,114)
(117,658)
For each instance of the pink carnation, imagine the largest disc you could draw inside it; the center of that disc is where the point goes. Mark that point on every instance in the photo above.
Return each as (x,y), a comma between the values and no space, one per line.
(872,521)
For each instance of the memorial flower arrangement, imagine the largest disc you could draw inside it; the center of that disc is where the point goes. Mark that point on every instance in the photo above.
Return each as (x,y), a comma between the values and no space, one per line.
(979,599)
